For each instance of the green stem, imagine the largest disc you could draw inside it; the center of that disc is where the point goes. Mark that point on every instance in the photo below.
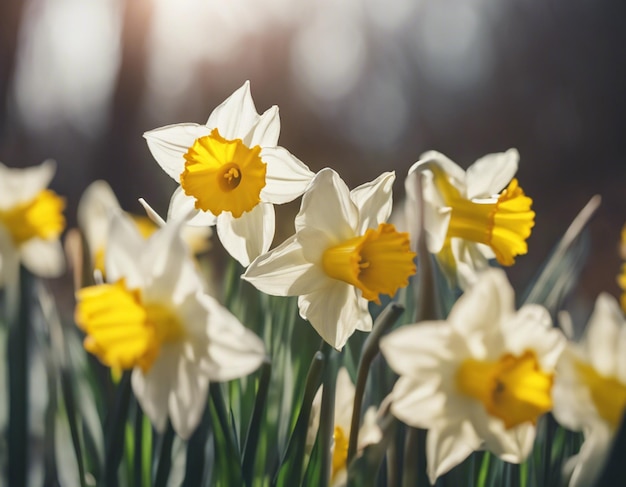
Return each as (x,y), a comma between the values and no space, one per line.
(17,354)
(165,457)
(116,428)
(196,451)
(411,450)
(138,447)
(370,350)
(327,418)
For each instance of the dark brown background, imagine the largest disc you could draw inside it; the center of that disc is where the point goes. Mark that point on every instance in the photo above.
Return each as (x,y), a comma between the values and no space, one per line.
(363,86)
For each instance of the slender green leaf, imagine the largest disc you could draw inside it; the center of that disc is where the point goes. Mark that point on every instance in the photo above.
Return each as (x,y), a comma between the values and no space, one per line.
(290,471)
(256,421)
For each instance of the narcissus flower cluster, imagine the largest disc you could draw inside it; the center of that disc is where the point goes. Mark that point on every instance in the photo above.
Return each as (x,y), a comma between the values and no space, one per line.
(480,379)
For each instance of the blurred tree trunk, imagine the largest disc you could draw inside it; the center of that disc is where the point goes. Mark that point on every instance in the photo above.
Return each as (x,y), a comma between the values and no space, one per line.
(11,12)
(115,161)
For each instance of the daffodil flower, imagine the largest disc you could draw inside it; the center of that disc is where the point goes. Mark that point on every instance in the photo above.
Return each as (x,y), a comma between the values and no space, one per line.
(231,172)
(341,256)
(369,433)
(95,207)
(31,220)
(471,216)
(480,379)
(153,317)
(590,389)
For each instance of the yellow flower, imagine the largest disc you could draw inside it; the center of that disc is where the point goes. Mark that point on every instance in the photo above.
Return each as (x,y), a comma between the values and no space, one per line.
(342,256)
(231,172)
(31,220)
(154,318)
(590,389)
(480,379)
(471,216)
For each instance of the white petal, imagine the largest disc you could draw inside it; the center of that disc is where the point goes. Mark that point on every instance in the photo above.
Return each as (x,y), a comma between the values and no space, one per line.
(369,433)
(591,460)
(481,310)
(436,214)
(415,349)
(602,335)
(286,177)
(250,235)
(44,258)
(197,238)
(366,323)
(285,272)
(152,389)
(20,185)
(344,400)
(187,398)
(490,174)
(452,169)
(511,445)
(151,213)
(94,207)
(470,262)
(266,131)
(169,144)
(531,329)
(182,206)
(167,260)
(236,115)
(314,243)
(418,403)
(327,206)
(334,312)
(124,248)
(234,351)
(374,201)
(447,445)
(573,406)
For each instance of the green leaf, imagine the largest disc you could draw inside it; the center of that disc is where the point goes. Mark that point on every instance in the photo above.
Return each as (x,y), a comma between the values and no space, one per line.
(560,272)
(290,471)
(256,422)
(116,429)
(228,462)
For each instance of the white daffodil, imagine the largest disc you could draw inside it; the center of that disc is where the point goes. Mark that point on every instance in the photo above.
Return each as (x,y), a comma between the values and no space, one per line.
(369,433)
(231,171)
(590,389)
(480,379)
(154,318)
(31,221)
(95,207)
(470,216)
(342,256)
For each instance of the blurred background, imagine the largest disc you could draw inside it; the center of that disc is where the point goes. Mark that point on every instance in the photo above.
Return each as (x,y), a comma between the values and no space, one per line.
(363,86)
